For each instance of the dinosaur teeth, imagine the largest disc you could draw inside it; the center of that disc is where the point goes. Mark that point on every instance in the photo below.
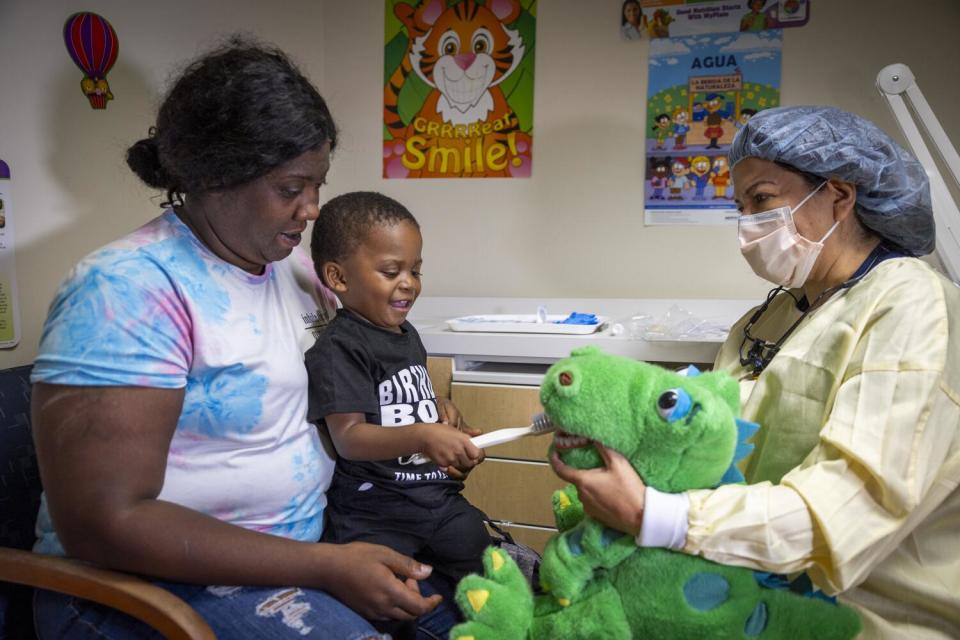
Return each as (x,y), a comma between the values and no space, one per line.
(564,440)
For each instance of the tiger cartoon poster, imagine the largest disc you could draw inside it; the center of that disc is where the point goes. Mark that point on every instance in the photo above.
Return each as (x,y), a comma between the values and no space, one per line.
(458,88)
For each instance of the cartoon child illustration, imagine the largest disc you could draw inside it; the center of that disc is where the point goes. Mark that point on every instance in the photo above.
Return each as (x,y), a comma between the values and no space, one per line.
(658,182)
(632,20)
(700,170)
(659,24)
(745,115)
(679,181)
(756,19)
(720,177)
(681,125)
(698,111)
(714,119)
(662,127)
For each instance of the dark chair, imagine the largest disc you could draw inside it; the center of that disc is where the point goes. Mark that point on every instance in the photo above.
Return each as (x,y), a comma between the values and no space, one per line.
(21,570)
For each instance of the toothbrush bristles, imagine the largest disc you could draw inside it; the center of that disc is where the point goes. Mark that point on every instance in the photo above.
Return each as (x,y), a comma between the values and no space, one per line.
(542,423)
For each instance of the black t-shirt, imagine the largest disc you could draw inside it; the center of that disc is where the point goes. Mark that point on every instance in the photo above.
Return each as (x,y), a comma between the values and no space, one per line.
(356,367)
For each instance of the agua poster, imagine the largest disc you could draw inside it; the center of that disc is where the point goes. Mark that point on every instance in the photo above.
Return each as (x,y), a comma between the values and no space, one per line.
(458,88)
(701,90)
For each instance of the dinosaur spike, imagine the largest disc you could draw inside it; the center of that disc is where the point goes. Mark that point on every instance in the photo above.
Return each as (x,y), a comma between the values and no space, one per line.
(745,431)
(690,371)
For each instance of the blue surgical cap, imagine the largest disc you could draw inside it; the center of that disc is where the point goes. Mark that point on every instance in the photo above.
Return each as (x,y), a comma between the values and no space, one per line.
(893,192)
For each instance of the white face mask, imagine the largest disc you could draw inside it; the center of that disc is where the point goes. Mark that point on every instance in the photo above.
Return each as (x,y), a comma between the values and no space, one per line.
(775,250)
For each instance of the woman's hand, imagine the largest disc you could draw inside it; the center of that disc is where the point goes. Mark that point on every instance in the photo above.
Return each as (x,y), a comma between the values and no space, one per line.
(613,494)
(377,582)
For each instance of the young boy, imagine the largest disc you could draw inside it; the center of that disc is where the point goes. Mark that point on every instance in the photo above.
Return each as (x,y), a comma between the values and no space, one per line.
(369,386)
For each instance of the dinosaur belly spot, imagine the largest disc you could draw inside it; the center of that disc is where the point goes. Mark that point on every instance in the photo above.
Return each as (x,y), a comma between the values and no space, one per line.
(706,591)
(757,621)
(575,542)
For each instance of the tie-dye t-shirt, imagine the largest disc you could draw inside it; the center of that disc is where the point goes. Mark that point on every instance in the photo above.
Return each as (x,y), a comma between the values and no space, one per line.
(158,309)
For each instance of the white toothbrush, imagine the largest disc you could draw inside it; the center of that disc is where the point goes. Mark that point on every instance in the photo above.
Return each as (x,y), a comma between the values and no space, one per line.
(541,424)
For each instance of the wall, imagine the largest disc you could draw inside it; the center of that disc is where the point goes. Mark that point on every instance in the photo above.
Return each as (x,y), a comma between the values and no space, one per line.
(573,230)
(72,189)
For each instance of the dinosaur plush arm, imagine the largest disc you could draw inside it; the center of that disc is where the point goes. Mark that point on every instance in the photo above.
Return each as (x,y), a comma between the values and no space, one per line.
(567,508)
(571,558)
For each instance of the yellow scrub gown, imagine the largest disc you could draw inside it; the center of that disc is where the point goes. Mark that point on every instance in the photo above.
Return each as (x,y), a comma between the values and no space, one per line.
(854,478)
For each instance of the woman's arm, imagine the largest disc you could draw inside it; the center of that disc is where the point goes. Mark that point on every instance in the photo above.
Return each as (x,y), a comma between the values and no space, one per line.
(103,453)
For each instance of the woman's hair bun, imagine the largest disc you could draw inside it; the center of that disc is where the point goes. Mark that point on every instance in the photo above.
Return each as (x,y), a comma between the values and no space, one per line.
(144,159)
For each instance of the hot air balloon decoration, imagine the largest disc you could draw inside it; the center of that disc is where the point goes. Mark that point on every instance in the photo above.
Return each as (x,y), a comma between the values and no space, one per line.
(93,45)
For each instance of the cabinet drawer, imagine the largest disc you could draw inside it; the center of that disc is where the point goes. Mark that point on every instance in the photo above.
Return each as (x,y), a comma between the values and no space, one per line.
(440,371)
(488,407)
(514,491)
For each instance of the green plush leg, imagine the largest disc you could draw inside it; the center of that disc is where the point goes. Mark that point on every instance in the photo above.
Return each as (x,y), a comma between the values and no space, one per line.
(788,615)
(598,615)
(571,558)
(672,595)
(567,508)
(497,605)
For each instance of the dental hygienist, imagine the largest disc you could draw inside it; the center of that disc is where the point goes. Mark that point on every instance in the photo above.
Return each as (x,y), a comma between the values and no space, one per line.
(852,369)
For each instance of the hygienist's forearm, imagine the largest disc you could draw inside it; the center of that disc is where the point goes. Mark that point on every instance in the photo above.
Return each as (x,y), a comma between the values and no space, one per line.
(763,526)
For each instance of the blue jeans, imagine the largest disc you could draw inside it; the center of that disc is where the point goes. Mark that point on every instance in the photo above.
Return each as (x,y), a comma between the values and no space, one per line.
(267,613)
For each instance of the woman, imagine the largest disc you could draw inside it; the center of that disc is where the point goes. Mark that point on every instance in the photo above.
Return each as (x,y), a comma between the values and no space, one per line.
(632,20)
(170,392)
(852,368)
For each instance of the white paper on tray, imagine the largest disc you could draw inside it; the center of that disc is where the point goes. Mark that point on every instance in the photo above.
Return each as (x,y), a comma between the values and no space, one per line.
(522,323)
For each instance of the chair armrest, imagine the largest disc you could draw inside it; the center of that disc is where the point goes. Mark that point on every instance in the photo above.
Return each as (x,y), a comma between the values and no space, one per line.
(136,597)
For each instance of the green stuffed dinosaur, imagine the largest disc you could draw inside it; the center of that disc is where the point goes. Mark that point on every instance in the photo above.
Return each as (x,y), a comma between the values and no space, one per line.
(679,432)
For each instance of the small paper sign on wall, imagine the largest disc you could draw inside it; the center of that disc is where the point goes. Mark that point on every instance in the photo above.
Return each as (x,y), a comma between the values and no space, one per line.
(9,303)
(674,18)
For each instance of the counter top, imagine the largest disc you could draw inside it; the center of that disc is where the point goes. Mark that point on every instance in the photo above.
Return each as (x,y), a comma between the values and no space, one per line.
(430,314)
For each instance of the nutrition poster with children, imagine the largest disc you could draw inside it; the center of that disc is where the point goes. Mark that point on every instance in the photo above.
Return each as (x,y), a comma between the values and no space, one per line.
(458,88)
(676,18)
(701,90)
(9,305)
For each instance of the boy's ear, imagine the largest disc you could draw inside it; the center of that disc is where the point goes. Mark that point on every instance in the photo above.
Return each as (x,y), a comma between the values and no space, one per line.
(333,276)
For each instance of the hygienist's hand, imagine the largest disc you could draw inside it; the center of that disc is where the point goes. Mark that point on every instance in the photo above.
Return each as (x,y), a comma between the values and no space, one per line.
(379,583)
(613,494)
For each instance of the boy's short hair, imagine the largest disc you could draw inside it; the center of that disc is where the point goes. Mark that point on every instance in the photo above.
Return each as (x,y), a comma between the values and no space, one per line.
(344,222)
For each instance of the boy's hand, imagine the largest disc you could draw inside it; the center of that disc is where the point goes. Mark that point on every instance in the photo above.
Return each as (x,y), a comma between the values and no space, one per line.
(450,414)
(450,447)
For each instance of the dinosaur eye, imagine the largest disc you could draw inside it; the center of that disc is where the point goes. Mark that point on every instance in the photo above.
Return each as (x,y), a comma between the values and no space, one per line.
(673,404)
(449,44)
